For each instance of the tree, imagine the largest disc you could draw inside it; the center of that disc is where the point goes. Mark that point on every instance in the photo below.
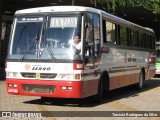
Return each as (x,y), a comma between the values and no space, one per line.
(151,5)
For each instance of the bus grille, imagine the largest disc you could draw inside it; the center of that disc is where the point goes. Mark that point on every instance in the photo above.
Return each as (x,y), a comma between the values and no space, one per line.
(38,88)
(39,75)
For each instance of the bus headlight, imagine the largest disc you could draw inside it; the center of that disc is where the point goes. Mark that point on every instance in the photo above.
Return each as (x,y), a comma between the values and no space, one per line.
(12,74)
(70,76)
(65,76)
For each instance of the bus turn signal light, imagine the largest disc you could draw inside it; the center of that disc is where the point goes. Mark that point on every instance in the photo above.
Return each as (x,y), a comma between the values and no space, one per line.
(77,76)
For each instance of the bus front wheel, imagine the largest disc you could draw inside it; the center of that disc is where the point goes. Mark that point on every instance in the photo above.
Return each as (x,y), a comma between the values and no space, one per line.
(99,96)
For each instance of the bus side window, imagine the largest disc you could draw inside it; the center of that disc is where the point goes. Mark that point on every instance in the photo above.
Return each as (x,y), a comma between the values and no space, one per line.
(123,36)
(142,39)
(110,33)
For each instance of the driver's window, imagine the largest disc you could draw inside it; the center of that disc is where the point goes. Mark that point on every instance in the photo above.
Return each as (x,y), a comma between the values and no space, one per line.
(89,35)
(92,45)
(96,34)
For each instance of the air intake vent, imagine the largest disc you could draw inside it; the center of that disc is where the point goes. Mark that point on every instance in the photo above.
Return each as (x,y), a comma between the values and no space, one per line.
(39,75)
(38,88)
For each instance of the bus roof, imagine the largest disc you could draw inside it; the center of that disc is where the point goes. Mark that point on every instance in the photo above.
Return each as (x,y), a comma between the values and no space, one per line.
(57,9)
(126,23)
(80,9)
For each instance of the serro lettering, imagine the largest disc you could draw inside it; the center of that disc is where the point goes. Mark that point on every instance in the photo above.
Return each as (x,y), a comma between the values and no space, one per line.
(41,68)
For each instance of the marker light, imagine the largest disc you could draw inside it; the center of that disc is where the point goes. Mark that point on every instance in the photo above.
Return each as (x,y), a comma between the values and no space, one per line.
(69,87)
(66,87)
(12,85)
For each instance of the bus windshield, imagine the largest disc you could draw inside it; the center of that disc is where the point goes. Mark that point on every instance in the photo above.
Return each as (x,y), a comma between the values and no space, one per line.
(45,37)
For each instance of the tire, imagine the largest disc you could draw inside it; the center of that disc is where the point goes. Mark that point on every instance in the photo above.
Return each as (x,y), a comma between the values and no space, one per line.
(99,96)
(105,86)
(103,89)
(141,81)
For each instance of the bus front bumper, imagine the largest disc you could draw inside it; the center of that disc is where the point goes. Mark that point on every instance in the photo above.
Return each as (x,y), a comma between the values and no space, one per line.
(44,88)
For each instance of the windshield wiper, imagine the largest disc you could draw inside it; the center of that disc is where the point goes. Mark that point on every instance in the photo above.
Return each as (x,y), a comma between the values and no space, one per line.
(49,49)
(39,37)
(41,40)
(35,40)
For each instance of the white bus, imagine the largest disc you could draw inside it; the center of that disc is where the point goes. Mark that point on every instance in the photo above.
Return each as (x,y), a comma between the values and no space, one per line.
(114,53)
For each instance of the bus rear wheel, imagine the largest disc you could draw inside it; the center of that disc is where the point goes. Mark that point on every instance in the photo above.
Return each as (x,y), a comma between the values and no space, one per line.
(141,81)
